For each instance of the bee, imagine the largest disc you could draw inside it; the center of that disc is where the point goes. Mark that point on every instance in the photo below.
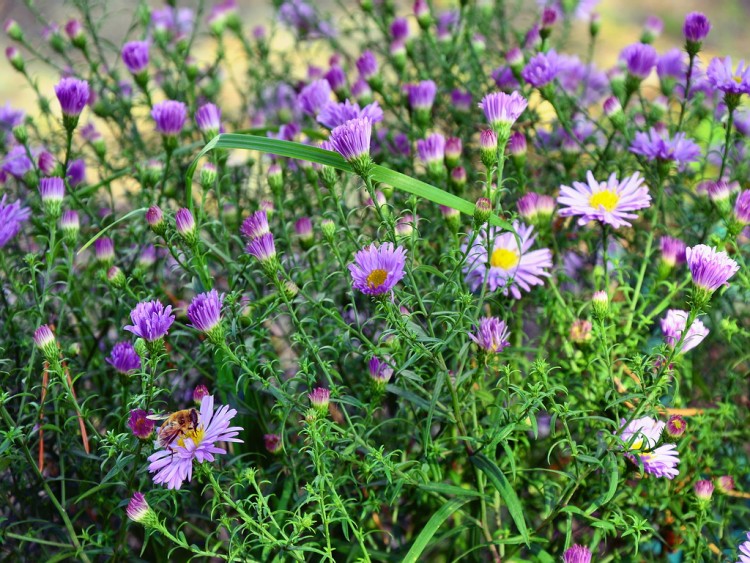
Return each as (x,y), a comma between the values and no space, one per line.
(177,424)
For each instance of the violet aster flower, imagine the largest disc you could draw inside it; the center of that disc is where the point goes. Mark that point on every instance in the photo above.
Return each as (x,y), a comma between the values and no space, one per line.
(536,208)
(721,76)
(255,226)
(263,249)
(16,162)
(656,145)
(608,202)
(301,16)
(709,268)
(352,141)
(673,325)
(542,69)
(640,436)
(741,212)
(204,312)
(336,79)
(502,110)
(44,339)
(744,551)
(135,56)
(334,114)
(170,117)
(199,392)
(104,249)
(671,64)
(509,268)
(461,99)
(421,95)
(676,426)
(380,371)
(208,119)
(12,217)
(151,320)
(640,59)
(491,335)
(140,423)
(432,149)
(377,269)
(185,224)
(138,510)
(577,554)
(174,465)
(314,97)
(319,399)
(672,251)
(400,29)
(73,95)
(76,172)
(696,27)
(124,358)
(367,65)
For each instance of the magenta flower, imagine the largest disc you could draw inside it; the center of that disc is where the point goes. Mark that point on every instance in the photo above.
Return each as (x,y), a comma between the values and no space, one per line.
(255,226)
(534,207)
(709,268)
(262,248)
(199,392)
(704,490)
(135,56)
(73,95)
(174,465)
(491,335)
(380,371)
(722,77)
(319,399)
(204,311)
(140,423)
(170,117)
(12,217)
(151,320)
(509,268)
(272,442)
(673,325)
(138,509)
(660,146)
(608,202)
(577,554)
(367,65)
(676,426)
(640,438)
(124,358)
(377,269)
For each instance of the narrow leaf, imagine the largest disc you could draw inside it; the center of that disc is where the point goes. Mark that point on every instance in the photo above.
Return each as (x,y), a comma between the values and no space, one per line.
(424,537)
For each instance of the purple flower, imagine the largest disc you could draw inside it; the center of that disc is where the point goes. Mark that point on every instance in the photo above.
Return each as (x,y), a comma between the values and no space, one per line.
(135,56)
(208,118)
(314,97)
(52,189)
(151,320)
(671,64)
(721,76)
(170,117)
(696,27)
(44,339)
(577,554)
(742,208)
(124,358)
(608,202)
(640,438)
(640,59)
(400,29)
(534,207)
(709,268)
(76,172)
(302,17)
(352,139)
(510,267)
(104,249)
(672,251)
(255,226)
(676,426)
(491,335)
(744,550)
(319,399)
(367,65)
(380,371)
(431,149)
(10,118)
(12,216)
(16,162)
(421,95)
(262,248)
(673,325)
(272,442)
(174,464)
(656,145)
(204,311)
(138,509)
(542,69)
(336,78)
(334,114)
(185,223)
(704,490)
(140,423)
(502,110)
(377,269)
(73,95)
(461,99)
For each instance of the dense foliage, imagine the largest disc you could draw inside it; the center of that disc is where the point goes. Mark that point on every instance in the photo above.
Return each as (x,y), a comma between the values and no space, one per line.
(451,295)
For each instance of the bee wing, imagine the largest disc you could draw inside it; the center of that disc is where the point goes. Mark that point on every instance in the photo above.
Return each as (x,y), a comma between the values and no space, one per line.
(163,416)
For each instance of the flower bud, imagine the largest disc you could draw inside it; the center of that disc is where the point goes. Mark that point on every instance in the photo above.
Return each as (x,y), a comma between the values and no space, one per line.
(199,392)
(13,30)
(725,484)
(275,178)
(14,58)
(482,211)
(453,148)
(600,304)
(139,511)
(141,348)
(116,277)
(273,443)
(21,134)
(319,399)
(185,224)
(52,192)
(303,229)
(488,148)
(452,217)
(208,175)
(458,178)
(329,230)
(676,427)
(595,24)
(703,489)
(70,226)
(45,341)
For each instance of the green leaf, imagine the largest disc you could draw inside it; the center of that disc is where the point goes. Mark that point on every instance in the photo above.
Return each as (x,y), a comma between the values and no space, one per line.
(498,479)
(108,227)
(424,537)
(444,489)
(299,151)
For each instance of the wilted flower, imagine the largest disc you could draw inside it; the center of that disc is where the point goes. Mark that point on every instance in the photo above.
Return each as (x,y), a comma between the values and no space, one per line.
(151,320)
(491,335)
(174,464)
(272,443)
(377,269)
(640,436)
(140,424)
(124,358)
(673,325)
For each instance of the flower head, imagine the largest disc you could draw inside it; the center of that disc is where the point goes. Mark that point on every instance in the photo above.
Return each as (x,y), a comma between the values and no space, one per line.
(12,216)
(511,266)
(173,465)
(367,65)
(577,554)
(272,443)
(502,110)
(124,358)
(73,95)
(138,509)
(432,149)
(640,437)
(263,249)
(672,251)
(151,320)
(673,325)
(140,424)
(315,96)
(744,550)
(703,489)
(491,335)
(334,114)
(319,399)
(542,69)
(676,426)
(608,202)
(255,226)
(421,95)
(709,268)
(104,249)
(377,269)
(696,27)
(352,141)
(640,59)
(722,77)
(208,119)
(725,484)
(185,224)
(135,56)
(656,145)
(380,372)
(199,392)
(204,311)
(170,117)
(44,339)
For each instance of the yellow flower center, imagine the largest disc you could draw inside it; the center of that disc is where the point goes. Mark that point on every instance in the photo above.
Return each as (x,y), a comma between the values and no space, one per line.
(195,435)
(637,445)
(376,278)
(504,258)
(737,79)
(607,199)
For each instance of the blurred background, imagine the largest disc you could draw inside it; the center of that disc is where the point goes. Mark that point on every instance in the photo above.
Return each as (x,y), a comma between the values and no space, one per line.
(622,23)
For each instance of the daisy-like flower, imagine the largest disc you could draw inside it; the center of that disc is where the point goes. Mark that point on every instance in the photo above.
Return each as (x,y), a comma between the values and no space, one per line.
(352,141)
(377,269)
(334,114)
(492,335)
(722,77)
(510,267)
(709,268)
(174,465)
(640,437)
(256,225)
(502,110)
(542,69)
(314,96)
(673,325)
(151,320)
(140,423)
(204,313)
(608,202)
(577,554)
(744,551)
(170,117)
(656,145)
